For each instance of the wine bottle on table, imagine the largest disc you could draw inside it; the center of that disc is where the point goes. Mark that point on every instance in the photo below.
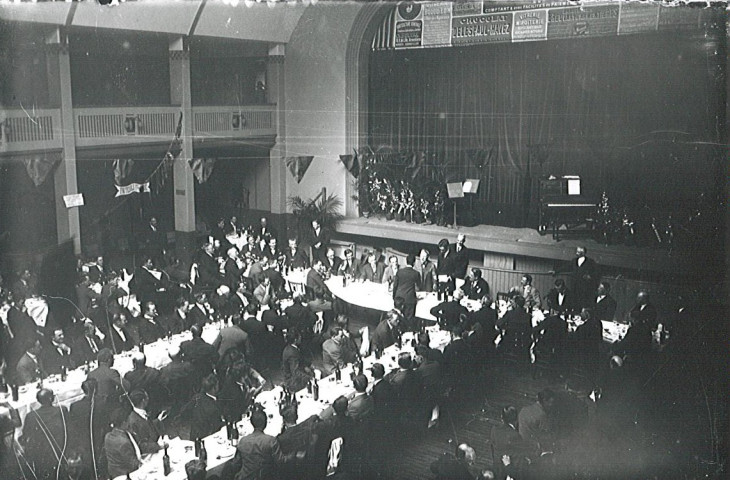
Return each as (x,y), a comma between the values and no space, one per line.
(315,390)
(166,463)
(234,434)
(203,451)
(338,373)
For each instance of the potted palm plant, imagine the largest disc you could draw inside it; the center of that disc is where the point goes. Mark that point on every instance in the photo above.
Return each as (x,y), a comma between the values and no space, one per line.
(325,209)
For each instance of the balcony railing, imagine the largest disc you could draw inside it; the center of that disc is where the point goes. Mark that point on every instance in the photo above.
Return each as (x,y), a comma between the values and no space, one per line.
(26,131)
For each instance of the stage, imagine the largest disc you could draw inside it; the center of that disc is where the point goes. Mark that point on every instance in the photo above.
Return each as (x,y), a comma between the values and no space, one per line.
(521,242)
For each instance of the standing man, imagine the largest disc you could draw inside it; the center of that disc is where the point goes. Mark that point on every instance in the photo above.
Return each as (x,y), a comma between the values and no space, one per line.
(461,257)
(260,453)
(405,284)
(585,278)
(427,269)
(605,308)
(319,241)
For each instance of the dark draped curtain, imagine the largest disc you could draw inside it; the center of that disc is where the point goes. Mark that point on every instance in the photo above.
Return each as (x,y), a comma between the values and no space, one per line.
(636,116)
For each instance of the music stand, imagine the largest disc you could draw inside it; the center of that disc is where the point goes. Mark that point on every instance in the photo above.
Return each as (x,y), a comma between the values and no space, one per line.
(455,190)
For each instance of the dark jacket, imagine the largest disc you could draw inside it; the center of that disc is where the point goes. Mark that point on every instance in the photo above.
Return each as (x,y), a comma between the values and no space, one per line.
(407,281)
(205,415)
(120,455)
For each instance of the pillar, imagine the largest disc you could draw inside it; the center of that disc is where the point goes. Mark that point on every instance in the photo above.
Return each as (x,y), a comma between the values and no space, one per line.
(183,180)
(277,168)
(68,226)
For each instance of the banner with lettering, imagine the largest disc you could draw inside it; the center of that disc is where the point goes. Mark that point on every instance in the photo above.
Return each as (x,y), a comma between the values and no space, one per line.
(132,188)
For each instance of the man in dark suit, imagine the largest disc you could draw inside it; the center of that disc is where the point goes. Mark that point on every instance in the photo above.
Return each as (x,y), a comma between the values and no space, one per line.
(148,379)
(251,248)
(148,281)
(386,332)
(321,296)
(457,356)
(145,430)
(109,384)
(150,330)
(121,449)
(605,308)
(559,299)
(56,354)
(407,389)
(319,240)
(233,337)
(272,250)
(200,354)
(260,453)
(449,312)
(87,421)
(585,277)
(200,312)
(204,410)
(349,265)
(336,351)
(331,262)
(407,281)
(516,326)
(264,232)
(475,287)
(372,271)
(361,406)
(427,269)
(119,338)
(295,257)
(45,435)
(155,240)
(22,326)
(232,268)
(87,346)
(298,437)
(29,367)
(208,271)
(85,292)
(178,378)
(461,256)
(644,311)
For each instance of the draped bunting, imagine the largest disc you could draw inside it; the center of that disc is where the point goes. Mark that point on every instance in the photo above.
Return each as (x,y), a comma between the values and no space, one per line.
(122,169)
(298,166)
(162,173)
(352,164)
(39,167)
(202,168)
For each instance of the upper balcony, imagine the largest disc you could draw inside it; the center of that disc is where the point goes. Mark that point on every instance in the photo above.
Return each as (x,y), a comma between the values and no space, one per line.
(22,131)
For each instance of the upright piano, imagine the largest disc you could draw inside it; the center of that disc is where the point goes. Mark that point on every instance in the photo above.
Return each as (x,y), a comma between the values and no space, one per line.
(565,211)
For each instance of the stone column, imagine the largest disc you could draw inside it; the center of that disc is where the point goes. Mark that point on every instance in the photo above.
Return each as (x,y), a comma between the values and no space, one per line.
(183,180)
(277,168)
(68,225)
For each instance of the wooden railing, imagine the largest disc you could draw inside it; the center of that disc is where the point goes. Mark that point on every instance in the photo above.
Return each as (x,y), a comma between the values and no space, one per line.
(125,126)
(29,130)
(234,122)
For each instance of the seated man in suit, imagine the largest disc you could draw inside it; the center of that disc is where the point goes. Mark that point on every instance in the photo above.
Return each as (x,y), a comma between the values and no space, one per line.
(56,354)
(516,326)
(530,294)
(295,257)
(87,346)
(372,271)
(150,329)
(30,367)
(260,453)
(321,299)
(331,262)
(336,351)
(449,312)
(149,380)
(605,308)
(361,406)
(119,338)
(559,299)
(386,332)
(109,384)
(475,287)
(204,409)
(45,434)
(123,455)
(146,431)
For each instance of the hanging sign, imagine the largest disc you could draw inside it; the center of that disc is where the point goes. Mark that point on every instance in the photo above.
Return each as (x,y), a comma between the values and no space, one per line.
(585,21)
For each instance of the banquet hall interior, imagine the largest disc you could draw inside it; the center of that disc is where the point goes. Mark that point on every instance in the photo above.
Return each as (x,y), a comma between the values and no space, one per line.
(363,239)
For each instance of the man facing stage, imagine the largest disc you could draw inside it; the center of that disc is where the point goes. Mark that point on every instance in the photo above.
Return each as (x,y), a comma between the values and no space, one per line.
(405,284)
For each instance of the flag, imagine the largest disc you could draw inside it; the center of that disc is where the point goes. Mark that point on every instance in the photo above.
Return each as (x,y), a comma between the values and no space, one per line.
(123,190)
(122,169)
(202,168)
(298,166)
(38,168)
(352,164)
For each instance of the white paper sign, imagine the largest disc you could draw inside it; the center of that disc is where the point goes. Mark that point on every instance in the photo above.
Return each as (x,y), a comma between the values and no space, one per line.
(74,200)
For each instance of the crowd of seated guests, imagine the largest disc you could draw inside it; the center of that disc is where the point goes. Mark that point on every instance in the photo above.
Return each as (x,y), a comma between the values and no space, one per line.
(205,385)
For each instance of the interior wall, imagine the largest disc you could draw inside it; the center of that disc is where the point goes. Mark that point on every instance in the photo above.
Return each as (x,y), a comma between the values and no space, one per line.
(23,71)
(119,69)
(315,97)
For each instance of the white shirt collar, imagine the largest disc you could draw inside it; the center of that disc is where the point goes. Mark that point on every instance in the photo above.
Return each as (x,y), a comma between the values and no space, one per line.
(581,260)
(140,412)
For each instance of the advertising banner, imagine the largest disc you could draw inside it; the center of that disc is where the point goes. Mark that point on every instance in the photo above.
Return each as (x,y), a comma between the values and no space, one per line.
(582,21)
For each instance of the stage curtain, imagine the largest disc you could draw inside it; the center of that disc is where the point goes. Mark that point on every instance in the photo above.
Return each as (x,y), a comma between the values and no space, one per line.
(634,115)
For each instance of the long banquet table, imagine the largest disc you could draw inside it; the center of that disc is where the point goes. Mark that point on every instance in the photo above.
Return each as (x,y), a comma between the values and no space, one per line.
(219,448)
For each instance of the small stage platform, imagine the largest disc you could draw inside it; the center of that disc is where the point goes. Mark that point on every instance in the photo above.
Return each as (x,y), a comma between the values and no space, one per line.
(521,242)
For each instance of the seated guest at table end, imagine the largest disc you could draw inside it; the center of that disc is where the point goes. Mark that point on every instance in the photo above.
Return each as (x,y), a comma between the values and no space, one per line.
(530,294)
(335,351)
(260,453)
(349,266)
(109,384)
(405,284)
(298,437)
(449,313)
(199,353)
(147,432)
(605,306)
(559,299)
(296,370)
(475,287)
(29,367)
(119,338)
(361,406)
(204,410)
(148,379)
(45,434)
(516,326)
(386,332)
(120,447)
